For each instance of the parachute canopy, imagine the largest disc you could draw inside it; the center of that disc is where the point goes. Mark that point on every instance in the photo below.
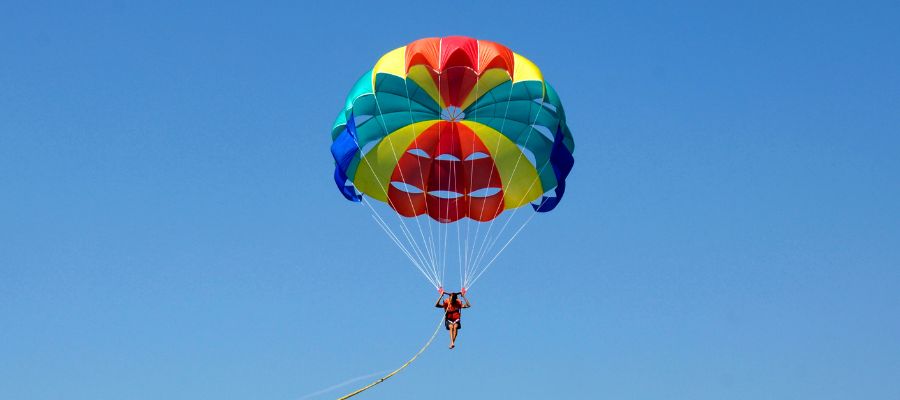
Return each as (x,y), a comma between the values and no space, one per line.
(453,128)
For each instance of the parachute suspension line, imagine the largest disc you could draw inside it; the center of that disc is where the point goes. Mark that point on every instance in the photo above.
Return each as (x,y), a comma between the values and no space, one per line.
(470,250)
(451,176)
(484,250)
(473,264)
(481,252)
(439,85)
(416,142)
(387,230)
(409,239)
(407,234)
(394,372)
(408,196)
(464,260)
(471,174)
(413,244)
(491,246)
(393,237)
(444,258)
(473,258)
(459,255)
(488,265)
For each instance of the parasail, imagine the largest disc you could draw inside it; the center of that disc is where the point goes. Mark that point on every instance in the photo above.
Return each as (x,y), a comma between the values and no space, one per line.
(452,137)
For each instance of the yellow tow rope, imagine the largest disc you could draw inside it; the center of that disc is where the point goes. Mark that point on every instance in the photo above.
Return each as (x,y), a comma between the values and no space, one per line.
(433,335)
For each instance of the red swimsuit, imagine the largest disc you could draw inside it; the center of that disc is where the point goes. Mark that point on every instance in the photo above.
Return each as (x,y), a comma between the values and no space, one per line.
(452,313)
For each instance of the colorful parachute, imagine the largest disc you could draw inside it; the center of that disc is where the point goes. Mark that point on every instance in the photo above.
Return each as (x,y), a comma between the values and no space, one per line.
(453,128)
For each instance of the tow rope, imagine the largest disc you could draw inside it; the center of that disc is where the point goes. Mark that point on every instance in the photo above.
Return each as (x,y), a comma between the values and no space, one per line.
(384,378)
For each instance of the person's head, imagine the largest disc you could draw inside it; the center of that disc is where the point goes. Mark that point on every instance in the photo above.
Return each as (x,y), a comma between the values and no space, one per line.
(452,297)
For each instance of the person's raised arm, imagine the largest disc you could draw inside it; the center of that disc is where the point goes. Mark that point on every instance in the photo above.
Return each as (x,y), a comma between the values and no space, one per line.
(438,304)
(467,305)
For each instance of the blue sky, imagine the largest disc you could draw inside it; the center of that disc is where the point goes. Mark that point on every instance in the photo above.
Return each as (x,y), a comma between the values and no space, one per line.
(169,227)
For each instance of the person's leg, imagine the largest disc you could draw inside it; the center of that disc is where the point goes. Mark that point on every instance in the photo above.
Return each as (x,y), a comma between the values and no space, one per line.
(453,335)
(449,327)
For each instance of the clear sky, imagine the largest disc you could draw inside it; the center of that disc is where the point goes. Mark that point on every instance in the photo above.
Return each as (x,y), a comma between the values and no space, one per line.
(169,227)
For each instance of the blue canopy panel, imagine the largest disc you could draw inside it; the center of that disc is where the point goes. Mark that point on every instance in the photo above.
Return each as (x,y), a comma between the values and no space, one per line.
(562,161)
(344,148)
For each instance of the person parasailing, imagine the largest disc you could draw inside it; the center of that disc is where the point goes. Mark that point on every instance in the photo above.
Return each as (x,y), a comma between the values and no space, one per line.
(452,312)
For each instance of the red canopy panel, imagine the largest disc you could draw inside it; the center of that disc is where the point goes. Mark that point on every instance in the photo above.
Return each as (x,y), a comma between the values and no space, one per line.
(442,183)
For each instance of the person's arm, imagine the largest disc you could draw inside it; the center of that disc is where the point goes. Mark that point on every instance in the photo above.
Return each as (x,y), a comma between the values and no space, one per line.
(467,305)
(440,304)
